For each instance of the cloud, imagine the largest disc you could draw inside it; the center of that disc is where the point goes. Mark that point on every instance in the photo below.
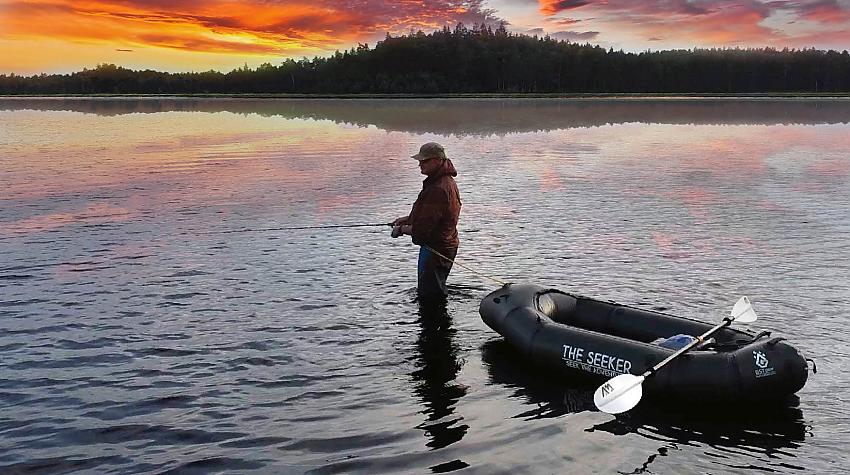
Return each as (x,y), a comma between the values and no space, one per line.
(224,32)
(251,27)
(563,21)
(565,35)
(670,7)
(837,38)
(575,35)
(822,11)
(721,22)
(714,23)
(551,7)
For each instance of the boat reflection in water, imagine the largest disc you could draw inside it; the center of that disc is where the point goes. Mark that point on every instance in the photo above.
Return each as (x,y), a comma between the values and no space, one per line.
(767,435)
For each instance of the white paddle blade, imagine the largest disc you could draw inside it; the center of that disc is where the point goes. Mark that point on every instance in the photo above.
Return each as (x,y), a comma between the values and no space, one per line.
(619,394)
(743,311)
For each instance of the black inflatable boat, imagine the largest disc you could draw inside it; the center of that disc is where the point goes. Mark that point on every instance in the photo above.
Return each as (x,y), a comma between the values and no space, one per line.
(580,335)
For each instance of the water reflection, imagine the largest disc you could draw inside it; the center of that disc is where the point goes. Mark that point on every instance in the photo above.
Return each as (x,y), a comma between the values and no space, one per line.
(104,215)
(477,116)
(507,367)
(435,379)
(727,435)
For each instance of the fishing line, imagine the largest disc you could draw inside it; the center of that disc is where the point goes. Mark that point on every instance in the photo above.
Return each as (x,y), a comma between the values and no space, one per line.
(333,226)
(294,228)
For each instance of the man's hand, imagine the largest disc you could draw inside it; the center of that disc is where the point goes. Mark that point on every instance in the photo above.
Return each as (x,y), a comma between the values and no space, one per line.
(400,221)
(396,232)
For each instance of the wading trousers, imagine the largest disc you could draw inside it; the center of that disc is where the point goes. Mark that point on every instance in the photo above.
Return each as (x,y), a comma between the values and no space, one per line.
(432,273)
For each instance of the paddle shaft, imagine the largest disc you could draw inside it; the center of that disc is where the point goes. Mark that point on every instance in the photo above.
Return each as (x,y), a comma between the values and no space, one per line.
(627,384)
(640,379)
(726,321)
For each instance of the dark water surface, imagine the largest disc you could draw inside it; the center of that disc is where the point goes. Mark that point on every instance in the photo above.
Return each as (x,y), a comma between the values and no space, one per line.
(136,338)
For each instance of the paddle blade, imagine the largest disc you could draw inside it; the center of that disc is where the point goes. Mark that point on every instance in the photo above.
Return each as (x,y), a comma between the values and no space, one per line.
(743,311)
(619,394)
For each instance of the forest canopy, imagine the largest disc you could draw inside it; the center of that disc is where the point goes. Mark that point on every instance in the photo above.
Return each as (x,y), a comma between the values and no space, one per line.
(479,59)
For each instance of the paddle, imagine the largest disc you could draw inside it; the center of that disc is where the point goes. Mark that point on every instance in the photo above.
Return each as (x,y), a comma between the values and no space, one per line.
(623,392)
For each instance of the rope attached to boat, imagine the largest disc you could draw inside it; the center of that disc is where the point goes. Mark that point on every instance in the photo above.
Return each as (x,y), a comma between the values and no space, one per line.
(503,283)
(814,366)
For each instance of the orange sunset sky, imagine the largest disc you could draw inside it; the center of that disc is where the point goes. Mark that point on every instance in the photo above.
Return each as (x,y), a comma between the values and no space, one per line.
(197,35)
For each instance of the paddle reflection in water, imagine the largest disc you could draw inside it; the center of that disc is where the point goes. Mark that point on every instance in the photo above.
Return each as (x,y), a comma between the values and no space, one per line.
(727,437)
(434,380)
(766,437)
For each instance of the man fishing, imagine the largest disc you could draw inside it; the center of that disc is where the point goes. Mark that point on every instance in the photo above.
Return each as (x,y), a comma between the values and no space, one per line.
(432,223)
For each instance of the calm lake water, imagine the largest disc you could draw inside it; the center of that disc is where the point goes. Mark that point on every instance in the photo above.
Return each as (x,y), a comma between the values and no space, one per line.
(137,336)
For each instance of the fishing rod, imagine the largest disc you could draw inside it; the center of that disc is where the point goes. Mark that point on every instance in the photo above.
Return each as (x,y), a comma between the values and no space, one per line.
(330,226)
(333,226)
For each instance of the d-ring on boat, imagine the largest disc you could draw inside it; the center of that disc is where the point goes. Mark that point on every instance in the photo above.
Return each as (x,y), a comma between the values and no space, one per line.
(575,334)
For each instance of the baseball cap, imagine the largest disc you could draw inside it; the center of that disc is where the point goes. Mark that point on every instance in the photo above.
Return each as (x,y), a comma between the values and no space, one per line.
(430,150)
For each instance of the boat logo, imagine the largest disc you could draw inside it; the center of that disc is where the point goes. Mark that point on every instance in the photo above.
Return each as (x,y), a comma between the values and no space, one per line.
(762,365)
(595,362)
(761,359)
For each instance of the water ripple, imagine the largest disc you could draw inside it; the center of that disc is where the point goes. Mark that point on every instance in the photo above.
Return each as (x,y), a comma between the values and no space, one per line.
(137,339)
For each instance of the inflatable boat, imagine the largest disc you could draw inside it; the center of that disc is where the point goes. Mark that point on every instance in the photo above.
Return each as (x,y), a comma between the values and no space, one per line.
(582,336)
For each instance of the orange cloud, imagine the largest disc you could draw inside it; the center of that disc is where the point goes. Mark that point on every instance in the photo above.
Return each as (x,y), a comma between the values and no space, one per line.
(551,7)
(66,35)
(274,29)
(212,27)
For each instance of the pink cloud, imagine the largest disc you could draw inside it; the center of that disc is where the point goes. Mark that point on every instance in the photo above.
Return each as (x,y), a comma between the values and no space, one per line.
(717,23)
(821,11)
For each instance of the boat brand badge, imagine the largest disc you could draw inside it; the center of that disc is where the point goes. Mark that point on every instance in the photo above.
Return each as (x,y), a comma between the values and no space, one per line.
(762,365)
(761,359)
(595,362)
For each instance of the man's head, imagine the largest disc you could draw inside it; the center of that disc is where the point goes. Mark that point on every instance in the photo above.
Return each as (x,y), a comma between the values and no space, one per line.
(431,156)
(430,150)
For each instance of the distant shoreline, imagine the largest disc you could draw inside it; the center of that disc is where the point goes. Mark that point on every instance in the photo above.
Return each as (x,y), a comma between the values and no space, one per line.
(627,96)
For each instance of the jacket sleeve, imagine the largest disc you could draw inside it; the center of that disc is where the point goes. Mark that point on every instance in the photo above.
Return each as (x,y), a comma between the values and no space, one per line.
(427,215)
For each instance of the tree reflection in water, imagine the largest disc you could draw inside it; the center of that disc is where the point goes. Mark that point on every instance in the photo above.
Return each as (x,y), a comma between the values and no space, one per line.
(475,116)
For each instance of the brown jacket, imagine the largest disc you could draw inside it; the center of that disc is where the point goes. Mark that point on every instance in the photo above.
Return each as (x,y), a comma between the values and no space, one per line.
(435,213)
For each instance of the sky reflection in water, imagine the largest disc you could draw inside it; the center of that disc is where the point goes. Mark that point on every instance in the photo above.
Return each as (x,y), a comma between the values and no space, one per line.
(296,350)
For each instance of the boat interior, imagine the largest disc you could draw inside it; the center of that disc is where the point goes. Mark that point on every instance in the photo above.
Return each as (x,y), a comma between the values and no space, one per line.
(632,323)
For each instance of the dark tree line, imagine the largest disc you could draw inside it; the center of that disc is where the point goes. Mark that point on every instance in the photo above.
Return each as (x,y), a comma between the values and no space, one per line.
(479,60)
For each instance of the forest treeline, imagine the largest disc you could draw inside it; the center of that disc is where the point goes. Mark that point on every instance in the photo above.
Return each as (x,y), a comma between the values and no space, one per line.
(480,59)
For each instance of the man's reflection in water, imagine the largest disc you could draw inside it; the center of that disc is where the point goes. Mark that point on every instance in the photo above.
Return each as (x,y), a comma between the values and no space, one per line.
(435,379)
